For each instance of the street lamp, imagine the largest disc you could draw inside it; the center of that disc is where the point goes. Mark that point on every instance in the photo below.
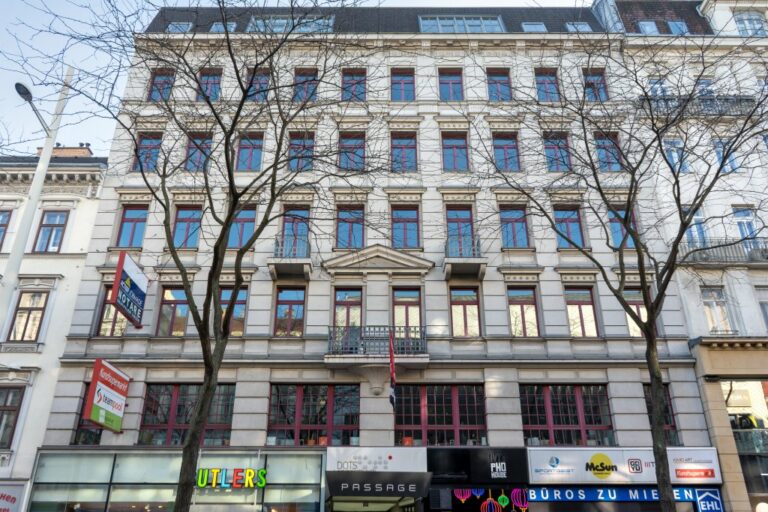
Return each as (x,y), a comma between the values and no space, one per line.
(10,278)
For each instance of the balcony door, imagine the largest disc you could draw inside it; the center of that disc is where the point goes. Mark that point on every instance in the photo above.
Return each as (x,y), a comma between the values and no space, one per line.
(347,318)
(460,232)
(406,307)
(296,232)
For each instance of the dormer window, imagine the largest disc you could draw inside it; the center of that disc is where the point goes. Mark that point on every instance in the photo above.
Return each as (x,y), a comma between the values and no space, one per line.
(578,26)
(751,23)
(678,27)
(460,24)
(529,26)
(648,28)
(219,27)
(282,24)
(178,27)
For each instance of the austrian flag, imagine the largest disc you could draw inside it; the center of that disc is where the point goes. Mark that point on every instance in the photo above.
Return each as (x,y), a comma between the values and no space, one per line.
(392,396)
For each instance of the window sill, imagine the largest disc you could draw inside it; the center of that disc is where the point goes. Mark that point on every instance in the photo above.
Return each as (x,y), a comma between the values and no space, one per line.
(114,248)
(570,250)
(409,249)
(190,251)
(518,250)
(346,249)
(26,347)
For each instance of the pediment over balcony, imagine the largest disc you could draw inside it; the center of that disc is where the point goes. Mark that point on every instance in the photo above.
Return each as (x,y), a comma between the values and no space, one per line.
(377,259)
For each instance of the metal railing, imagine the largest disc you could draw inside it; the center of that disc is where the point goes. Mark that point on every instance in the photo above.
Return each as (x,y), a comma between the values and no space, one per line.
(751,440)
(702,105)
(726,250)
(462,247)
(373,340)
(291,246)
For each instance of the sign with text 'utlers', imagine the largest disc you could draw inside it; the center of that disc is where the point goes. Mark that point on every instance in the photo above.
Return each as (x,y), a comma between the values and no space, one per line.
(105,404)
(129,291)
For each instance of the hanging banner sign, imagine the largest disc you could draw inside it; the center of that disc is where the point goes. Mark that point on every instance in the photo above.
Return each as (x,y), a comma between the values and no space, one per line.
(129,290)
(107,394)
(611,494)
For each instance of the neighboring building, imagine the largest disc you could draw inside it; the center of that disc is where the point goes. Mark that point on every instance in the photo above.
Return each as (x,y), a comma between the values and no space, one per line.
(33,332)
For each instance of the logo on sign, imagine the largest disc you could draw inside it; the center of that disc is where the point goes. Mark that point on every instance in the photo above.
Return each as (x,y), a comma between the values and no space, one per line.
(498,470)
(554,462)
(601,466)
(635,465)
(709,500)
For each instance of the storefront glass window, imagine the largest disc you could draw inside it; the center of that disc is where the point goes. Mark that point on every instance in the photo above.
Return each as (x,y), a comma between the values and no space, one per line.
(747,405)
(74,467)
(69,498)
(129,498)
(160,468)
(291,499)
(294,469)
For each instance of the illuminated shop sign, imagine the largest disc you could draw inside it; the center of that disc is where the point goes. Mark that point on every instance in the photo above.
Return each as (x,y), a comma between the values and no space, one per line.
(228,478)
(365,471)
(707,500)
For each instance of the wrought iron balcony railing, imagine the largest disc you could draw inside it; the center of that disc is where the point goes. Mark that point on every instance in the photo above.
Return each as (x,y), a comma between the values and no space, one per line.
(373,340)
(752,440)
(462,247)
(725,250)
(291,246)
(700,106)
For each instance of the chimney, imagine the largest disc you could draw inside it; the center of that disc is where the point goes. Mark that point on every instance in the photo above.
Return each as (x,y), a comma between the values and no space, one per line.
(82,150)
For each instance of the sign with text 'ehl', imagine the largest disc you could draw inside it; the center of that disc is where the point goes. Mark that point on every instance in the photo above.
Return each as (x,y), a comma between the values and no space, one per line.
(105,404)
(129,291)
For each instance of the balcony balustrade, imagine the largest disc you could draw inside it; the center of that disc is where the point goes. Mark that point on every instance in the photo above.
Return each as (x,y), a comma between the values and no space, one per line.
(373,340)
(751,441)
(464,258)
(291,257)
(699,106)
(724,250)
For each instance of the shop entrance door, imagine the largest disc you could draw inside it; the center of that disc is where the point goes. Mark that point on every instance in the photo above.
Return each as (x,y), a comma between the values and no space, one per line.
(373,504)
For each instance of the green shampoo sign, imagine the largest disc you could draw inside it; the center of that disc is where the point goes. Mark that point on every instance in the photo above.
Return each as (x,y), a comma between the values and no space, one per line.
(105,404)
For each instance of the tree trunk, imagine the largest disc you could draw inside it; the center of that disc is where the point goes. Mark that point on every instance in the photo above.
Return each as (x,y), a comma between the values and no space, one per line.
(658,403)
(192,444)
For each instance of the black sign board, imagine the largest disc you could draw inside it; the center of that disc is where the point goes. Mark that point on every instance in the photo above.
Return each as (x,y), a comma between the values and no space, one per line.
(478,467)
(371,483)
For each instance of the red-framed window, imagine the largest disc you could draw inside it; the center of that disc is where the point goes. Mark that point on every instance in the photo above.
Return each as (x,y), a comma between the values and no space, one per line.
(403,84)
(557,152)
(160,85)
(295,239)
(618,231)
(523,319)
(300,151)
(111,323)
(147,152)
(455,152)
(499,85)
(406,311)
(174,311)
(210,85)
(186,228)
(671,434)
(309,415)
(595,86)
(87,433)
(634,298)
(451,84)
(242,227)
(353,84)
(568,226)
(249,151)
(289,312)
(133,223)
(465,312)
(168,410)
(198,152)
(608,152)
(461,232)
(505,152)
(350,227)
(580,307)
(5,221)
(547,86)
(28,317)
(50,233)
(405,227)
(348,307)
(404,152)
(352,151)
(10,405)
(237,322)
(440,415)
(514,227)
(305,84)
(566,415)
(258,85)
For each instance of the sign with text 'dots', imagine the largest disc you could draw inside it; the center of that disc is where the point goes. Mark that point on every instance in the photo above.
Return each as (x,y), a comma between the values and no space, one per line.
(107,394)
(129,290)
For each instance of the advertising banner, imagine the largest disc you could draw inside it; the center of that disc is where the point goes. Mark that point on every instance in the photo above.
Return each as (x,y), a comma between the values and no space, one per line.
(608,494)
(129,290)
(11,496)
(105,404)
(387,460)
(619,466)
(476,467)
(362,471)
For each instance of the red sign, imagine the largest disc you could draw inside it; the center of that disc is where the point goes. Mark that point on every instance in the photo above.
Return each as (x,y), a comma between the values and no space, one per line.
(105,404)
(695,473)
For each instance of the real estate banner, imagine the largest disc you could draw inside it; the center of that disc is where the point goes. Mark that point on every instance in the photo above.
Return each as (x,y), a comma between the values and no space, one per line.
(129,291)
(105,404)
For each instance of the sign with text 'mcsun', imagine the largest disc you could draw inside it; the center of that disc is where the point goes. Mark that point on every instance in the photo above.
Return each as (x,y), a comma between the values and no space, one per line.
(129,291)
(107,394)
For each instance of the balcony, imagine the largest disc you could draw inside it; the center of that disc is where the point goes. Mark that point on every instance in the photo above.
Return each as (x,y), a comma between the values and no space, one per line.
(463,258)
(733,106)
(752,441)
(719,251)
(291,258)
(370,345)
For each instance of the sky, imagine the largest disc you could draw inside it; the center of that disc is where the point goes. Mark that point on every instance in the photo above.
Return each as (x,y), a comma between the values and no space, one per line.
(20,131)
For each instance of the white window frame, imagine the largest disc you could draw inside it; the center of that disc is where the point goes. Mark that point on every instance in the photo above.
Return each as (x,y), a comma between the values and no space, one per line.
(578,26)
(534,27)
(648,27)
(178,25)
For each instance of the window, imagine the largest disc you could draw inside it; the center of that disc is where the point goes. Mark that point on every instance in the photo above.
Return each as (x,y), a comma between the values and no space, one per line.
(404,153)
(403,87)
(465,312)
(111,322)
(289,312)
(499,85)
(634,298)
(10,405)
(186,229)
(210,85)
(534,26)
(350,227)
(303,24)
(578,26)
(249,152)
(581,312)
(678,28)
(296,232)
(300,151)
(309,415)
(616,220)
(461,236)
(160,85)
(670,429)
(440,415)
(595,88)
(353,85)
(406,307)
(568,226)
(133,223)
(565,415)
(451,88)
(461,24)
(258,85)
(547,87)
(168,410)
(745,221)
(178,27)
(28,318)
(51,231)
(557,152)
(87,433)
(751,23)
(648,28)
(704,88)
(5,221)
(514,229)
(505,153)
(455,155)
(198,152)
(174,311)
(237,322)
(219,27)
(241,229)
(696,234)
(352,151)
(523,320)
(657,87)
(608,152)
(674,150)
(348,309)
(716,310)
(762,298)
(305,85)
(405,227)
(726,156)
(148,152)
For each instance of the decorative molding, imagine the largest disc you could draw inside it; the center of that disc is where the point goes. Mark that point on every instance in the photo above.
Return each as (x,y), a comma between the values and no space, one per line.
(133,195)
(377,259)
(507,195)
(408,123)
(453,123)
(566,195)
(577,275)
(10,204)
(517,274)
(41,282)
(404,194)
(510,123)
(458,194)
(20,376)
(188,196)
(351,194)
(69,204)
(352,122)
(20,348)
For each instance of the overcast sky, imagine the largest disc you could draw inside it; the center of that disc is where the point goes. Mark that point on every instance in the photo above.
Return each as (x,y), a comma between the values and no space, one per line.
(24,130)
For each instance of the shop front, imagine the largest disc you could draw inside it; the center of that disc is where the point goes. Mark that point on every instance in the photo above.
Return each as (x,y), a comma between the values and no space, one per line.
(620,480)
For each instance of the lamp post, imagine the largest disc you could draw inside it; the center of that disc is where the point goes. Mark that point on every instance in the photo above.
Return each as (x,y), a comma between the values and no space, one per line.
(10,278)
